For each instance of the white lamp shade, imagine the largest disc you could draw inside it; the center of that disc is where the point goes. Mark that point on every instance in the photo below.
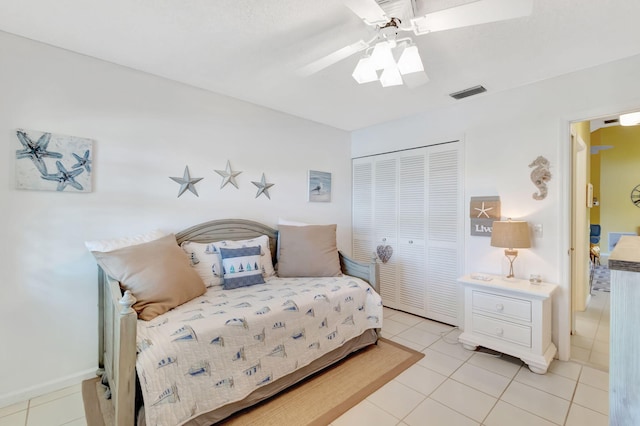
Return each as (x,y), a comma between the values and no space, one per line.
(364,72)
(391,77)
(382,57)
(630,119)
(410,61)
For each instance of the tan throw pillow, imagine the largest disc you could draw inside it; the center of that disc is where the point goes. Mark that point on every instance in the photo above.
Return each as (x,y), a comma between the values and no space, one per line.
(308,251)
(157,273)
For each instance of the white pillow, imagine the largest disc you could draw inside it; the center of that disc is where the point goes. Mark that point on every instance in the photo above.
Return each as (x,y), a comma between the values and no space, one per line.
(291,222)
(118,243)
(205,259)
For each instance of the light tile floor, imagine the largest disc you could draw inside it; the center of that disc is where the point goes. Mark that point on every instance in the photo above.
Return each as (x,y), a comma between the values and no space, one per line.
(590,343)
(62,407)
(449,386)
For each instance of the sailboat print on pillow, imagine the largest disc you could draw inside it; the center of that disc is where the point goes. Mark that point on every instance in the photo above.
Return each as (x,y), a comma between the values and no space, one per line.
(241,267)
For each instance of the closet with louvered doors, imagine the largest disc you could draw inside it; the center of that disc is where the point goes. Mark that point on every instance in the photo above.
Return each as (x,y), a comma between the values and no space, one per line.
(407,210)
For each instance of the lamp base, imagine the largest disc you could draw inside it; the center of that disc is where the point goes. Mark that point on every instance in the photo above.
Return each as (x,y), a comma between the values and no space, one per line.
(511,255)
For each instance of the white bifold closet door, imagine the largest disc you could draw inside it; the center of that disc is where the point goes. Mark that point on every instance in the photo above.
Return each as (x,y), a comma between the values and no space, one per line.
(410,202)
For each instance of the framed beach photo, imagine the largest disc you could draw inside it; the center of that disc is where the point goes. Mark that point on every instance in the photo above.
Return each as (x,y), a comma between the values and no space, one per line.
(319,188)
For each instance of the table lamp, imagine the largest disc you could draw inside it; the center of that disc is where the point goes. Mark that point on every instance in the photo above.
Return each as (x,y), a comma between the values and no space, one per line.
(510,235)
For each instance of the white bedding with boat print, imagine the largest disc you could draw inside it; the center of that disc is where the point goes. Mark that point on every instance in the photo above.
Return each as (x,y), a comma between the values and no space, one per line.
(221,346)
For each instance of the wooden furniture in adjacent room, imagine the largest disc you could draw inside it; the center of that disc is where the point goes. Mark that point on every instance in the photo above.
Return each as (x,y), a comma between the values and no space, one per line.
(511,316)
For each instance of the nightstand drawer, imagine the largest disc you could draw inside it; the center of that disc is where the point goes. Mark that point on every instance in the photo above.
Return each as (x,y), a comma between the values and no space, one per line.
(502,330)
(501,305)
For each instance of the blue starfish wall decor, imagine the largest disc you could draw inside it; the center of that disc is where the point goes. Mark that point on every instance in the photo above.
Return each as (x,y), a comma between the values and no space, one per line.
(263,187)
(41,151)
(84,161)
(36,151)
(64,177)
(186,182)
(228,176)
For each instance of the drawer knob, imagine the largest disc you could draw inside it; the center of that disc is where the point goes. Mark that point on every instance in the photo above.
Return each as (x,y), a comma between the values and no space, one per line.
(500,307)
(410,241)
(499,331)
(384,240)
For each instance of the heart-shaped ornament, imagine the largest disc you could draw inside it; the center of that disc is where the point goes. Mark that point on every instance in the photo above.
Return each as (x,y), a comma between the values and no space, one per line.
(384,252)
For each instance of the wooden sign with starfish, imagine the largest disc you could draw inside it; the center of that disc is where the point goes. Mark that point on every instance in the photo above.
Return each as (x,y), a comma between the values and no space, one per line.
(483,211)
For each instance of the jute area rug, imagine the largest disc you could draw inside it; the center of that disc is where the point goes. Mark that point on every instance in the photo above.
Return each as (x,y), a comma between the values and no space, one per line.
(317,401)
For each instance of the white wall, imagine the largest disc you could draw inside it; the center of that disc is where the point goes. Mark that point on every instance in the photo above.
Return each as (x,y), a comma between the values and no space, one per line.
(503,133)
(146,129)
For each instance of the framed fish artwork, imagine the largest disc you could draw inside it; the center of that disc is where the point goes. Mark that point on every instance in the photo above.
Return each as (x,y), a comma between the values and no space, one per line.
(319,189)
(52,162)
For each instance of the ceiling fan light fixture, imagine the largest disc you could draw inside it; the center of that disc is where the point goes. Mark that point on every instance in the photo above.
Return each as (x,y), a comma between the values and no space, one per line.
(364,71)
(391,77)
(630,119)
(410,60)
(382,57)
(415,79)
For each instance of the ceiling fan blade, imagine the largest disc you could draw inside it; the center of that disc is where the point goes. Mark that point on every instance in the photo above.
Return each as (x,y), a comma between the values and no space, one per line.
(479,12)
(333,58)
(368,10)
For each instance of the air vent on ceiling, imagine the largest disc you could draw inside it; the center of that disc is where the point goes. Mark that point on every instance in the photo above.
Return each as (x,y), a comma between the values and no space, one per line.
(468,92)
(613,120)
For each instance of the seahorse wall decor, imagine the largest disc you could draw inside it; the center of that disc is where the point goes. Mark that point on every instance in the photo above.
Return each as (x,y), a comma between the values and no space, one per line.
(540,175)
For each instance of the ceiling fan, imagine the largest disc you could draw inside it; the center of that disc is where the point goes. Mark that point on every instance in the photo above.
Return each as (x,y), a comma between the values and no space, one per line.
(385,16)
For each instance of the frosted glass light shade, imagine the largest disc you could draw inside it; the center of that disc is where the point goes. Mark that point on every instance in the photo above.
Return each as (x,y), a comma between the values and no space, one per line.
(415,79)
(382,57)
(364,71)
(410,61)
(391,77)
(630,119)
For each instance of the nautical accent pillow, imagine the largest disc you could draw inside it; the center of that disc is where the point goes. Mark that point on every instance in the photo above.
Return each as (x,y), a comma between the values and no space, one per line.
(265,251)
(157,273)
(308,251)
(205,259)
(241,267)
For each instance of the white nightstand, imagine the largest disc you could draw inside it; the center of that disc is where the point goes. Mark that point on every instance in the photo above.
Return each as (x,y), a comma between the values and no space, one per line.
(510,316)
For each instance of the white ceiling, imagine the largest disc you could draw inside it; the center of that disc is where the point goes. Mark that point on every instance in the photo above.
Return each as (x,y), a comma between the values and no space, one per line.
(251,49)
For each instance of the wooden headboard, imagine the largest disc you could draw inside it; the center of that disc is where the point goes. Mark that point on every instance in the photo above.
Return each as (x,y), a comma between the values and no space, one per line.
(241,229)
(229,229)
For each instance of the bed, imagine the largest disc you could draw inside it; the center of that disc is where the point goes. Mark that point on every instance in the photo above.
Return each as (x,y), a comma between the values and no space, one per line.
(124,339)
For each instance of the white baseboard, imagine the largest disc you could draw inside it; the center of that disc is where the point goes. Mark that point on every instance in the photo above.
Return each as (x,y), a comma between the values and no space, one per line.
(44,388)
